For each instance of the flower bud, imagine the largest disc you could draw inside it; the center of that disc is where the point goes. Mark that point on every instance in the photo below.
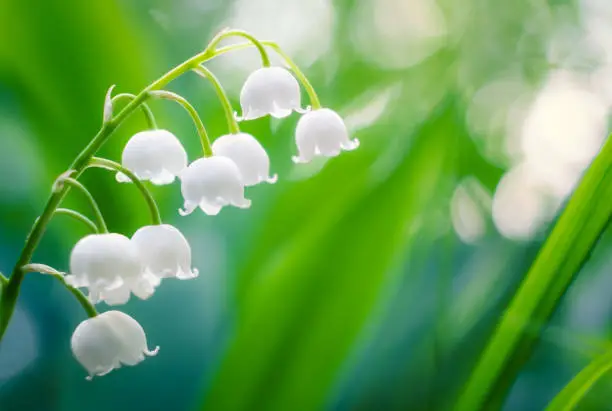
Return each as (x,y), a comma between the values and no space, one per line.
(269,90)
(164,252)
(321,132)
(107,341)
(248,154)
(212,183)
(155,155)
(110,267)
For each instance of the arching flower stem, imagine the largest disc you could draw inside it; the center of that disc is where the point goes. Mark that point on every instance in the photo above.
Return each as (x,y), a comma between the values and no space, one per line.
(106,164)
(148,113)
(232,124)
(11,290)
(265,60)
(101,224)
(312,94)
(81,298)
(204,139)
(79,217)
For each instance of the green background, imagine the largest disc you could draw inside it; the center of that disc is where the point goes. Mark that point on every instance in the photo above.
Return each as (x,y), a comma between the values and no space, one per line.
(344,287)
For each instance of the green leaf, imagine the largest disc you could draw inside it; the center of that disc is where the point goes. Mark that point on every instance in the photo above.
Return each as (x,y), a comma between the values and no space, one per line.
(580,385)
(567,248)
(301,316)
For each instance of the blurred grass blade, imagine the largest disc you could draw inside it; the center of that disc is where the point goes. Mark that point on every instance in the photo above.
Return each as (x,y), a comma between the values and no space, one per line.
(566,249)
(570,396)
(301,318)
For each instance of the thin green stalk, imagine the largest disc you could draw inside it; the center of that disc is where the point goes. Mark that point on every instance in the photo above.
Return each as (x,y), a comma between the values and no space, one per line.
(146,194)
(101,224)
(146,110)
(204,139)
(568,247)
(79,217)
(3,280)
(265,60)
(312,94)
(569,397)
(11,291)
(81,298)
(232,124)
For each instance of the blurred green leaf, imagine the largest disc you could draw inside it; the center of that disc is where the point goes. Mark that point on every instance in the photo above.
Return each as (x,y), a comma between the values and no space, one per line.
(580,385)
(301,317)
(565,251)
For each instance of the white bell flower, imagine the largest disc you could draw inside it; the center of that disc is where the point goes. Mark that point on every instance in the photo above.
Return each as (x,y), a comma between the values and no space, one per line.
(212,183)
(109,266)
(155,155)
(107,341)
(269,90)
(248,154)
(164,252)
(321,132)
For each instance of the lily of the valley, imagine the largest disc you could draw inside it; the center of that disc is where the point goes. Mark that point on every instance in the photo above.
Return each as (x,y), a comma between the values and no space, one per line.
(164,252)
(109,266)
(212,183)
(248,154)
(107,341)
(321,132)
(155,155)
(269,90)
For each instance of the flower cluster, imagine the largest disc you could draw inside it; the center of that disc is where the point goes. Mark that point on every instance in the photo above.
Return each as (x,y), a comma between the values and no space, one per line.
(110,266)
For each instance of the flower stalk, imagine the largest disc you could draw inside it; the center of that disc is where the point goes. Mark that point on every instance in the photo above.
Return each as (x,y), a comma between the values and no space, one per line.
(101,224)
(193,113)
(232,124)
(79,217)
(97,162)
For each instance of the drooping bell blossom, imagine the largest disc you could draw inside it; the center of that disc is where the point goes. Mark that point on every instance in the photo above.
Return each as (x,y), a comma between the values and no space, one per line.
(164,252)
(321,132)
(155,155)
(109,266)
(248,154)
(212,183)
(107,341)
(269,90)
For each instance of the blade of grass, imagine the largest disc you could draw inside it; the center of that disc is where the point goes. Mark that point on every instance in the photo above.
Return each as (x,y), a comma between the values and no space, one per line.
(301,319)
(565,251)
(569,397)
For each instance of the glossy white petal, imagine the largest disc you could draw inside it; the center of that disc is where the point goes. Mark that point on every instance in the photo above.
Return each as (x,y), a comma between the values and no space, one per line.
(107,341)
(248,154)
(212,183)
(164,251)
(109,266)
(269,90)
(155,155)
(321,132)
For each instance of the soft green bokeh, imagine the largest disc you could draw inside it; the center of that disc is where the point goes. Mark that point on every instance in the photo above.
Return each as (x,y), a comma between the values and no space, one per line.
(345,286)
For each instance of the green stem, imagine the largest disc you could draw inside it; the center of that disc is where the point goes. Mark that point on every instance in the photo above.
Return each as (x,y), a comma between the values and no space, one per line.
(11,291)
(148,113)
(79,217)
(204,140)
(47,270)
(312,94)
(3,280)
(92,201)
(265,60)
(146,194)
(232,124)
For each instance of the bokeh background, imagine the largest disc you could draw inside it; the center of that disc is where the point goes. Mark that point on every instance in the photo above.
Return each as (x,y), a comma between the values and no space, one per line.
(367,282)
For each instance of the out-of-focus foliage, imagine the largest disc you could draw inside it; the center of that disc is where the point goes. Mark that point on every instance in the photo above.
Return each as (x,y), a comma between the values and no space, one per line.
(366,282)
